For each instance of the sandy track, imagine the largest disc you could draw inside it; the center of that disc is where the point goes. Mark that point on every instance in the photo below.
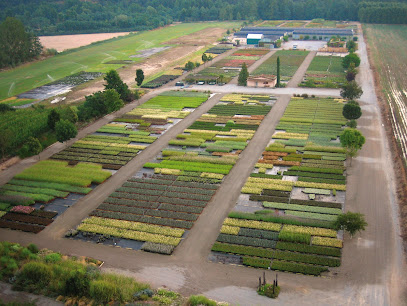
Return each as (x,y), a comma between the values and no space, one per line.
(299,74)
(65,42)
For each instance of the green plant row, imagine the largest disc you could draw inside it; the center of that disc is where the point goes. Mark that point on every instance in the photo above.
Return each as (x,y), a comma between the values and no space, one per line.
(36,197)
(317,170)
(321,180)
(55,186)
(294,237)
(143,219)
(256,262)
(310,215)
(316,203)
(310,249)
(249,241)
(305,208)
(35,190)
(281,220)
(160,248)
(297,268)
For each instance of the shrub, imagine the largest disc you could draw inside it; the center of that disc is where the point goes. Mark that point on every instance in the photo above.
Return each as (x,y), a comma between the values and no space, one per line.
(102,291)
(34,273)
(77,284)
(269,290)
(198,300)
(53,258)
(352,111)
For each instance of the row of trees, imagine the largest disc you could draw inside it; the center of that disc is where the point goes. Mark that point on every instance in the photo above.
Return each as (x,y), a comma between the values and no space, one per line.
(74,16)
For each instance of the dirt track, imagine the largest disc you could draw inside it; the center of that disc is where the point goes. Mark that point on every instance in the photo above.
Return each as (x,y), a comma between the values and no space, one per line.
(373,267)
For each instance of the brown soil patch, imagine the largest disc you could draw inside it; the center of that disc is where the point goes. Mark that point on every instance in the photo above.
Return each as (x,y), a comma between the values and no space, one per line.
(9,162)
(65,42)
(185,46)
(396,152)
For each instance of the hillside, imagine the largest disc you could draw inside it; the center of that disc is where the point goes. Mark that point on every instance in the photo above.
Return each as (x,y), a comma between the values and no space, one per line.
(76,16)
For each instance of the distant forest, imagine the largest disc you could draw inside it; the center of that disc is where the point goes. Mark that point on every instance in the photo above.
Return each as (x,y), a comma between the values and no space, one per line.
(80,16)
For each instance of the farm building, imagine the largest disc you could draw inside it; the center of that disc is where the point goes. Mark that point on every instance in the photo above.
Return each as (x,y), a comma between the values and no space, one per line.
(322,34)
(296,33)
(254,39)
(262,81)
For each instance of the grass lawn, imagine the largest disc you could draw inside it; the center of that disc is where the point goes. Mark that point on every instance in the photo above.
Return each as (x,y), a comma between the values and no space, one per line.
(93,57)
(290,61)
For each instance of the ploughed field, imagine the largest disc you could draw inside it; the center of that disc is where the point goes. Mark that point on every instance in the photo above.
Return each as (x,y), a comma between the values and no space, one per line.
(390,61)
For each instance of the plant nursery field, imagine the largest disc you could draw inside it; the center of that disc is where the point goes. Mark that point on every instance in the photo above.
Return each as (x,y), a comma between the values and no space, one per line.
(59,182)
(325,72)
(229,67)
(290,61)
(118,142)
(160,203)
(283,218)
(93,58)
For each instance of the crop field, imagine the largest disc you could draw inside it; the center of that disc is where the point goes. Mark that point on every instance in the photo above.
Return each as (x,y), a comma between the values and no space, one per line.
(118,142)
(93,58)
(162,201)
(290,62)
(294,24)
(325,72)
(271,23)
(321,23)
(390,61)
(74,169)
(229,67)
(283,217)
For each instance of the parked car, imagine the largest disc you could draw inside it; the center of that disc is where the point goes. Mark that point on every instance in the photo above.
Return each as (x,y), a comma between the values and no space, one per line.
(200,83)
(212,83)
(179,84)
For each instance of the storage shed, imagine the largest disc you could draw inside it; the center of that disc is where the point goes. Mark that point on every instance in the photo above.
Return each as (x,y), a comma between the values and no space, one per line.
(253,39)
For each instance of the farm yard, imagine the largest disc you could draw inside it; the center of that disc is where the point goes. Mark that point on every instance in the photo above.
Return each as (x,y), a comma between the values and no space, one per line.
(170,193)
(283,217)
(111,147)
(228,67)
(325,72)
(290,61)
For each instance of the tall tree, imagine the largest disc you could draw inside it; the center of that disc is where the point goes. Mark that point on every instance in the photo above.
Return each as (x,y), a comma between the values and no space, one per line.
(115,82)
(278,72)
(65,130)
(17,45)
(352,110)
(350,58)
(139,77)
(351,91)
(352,140)
(53,118)
(243,75)
(350,222)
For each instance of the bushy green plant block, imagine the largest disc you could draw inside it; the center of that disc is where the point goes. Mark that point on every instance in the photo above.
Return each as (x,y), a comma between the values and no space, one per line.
(269,290)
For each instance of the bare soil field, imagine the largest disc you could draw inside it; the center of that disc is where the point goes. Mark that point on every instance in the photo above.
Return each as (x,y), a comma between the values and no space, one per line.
(65,42)
(184,46)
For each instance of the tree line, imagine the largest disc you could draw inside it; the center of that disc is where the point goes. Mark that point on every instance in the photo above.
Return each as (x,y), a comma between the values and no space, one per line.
(75,16)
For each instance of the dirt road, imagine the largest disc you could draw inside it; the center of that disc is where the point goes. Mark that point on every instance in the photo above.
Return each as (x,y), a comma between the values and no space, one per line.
(299,74)
(373,267)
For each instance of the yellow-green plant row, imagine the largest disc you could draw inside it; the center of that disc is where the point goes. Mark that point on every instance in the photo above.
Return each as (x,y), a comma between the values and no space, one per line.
(252,224)
(314,231)
(231,230)
(136,226)
(128,234)
(331,242)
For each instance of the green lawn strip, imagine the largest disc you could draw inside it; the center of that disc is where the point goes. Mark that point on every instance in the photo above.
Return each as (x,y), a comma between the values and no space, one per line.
(36,197)
(26,189)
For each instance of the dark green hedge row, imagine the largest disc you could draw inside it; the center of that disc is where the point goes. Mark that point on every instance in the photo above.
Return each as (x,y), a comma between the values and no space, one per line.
(266,198)
(297,268)
(255,233)
(311,249)
(263,175)
(249,241)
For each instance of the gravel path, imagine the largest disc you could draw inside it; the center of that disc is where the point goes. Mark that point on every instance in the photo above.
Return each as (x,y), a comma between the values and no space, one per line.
(299,74)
